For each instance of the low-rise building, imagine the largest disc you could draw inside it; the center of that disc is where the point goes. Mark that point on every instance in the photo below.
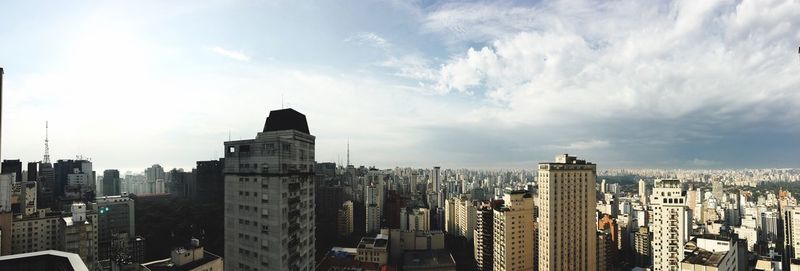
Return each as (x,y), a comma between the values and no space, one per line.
(190,258)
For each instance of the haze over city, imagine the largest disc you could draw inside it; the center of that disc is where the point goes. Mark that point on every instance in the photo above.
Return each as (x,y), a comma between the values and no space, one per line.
(505,84)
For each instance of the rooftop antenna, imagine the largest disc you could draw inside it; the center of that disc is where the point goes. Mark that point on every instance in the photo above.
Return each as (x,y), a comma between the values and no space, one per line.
(229,134)
(46,159)
(348,151)
(282,102)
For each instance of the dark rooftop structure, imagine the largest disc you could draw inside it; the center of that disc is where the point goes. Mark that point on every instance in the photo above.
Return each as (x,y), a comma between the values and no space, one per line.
(286,119)
(47,260)
(439,259)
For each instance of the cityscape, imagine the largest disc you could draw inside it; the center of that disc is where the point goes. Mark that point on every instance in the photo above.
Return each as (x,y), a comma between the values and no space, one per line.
(400,135)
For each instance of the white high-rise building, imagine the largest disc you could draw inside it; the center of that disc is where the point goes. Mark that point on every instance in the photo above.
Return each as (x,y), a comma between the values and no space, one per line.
(513,232)
(269,199)
(792,232)
(669,224)
(567,219)
(460,216)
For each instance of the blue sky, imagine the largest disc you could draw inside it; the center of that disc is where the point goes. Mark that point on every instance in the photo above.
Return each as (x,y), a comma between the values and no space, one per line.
(499,84)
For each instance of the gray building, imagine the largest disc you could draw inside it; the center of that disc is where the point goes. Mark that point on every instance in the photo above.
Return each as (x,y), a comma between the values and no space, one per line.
(115,217)
(111,182)
(269,197)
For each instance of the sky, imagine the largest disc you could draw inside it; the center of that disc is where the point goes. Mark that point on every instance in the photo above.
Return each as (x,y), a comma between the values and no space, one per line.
(496,84)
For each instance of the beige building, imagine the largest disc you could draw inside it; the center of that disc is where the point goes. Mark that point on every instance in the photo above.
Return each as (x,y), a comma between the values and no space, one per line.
(513,232)
(669,224)
(461,215)
(78,233)
(269,197)
(373,249)
(402,240)
(35,232)
(792,232)
(415,219)
(567,231)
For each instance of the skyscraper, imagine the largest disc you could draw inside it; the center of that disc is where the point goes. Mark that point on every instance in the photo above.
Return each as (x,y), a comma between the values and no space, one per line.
(483,236)
(567,232)
(111,185)
(269,204)
(669,224)
(513,232)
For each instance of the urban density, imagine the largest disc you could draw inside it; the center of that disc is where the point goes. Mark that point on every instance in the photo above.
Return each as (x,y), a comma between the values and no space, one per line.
(672,188)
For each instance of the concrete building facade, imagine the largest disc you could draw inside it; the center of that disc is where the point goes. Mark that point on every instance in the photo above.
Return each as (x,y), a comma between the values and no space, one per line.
(269,201)
(567,233)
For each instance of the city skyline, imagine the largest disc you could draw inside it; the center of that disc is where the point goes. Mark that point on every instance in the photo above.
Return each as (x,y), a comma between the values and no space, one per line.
(480,85)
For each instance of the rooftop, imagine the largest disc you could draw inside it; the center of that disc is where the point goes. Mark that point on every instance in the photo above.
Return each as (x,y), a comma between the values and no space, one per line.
(167,265)
(286,119)
(705,257)
(45,260)
(427,259)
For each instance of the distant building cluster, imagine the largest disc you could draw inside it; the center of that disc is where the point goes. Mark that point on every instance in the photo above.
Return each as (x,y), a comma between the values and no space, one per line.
(283,210)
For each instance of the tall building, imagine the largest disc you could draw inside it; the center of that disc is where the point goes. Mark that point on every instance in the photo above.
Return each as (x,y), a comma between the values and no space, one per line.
(792,233)
(463,215)
(513,232)
(116,223)
(73,180)
(345,223)
(46,185)
(669,224)
(483,241)
(155,172)
(269,205)
(12,166)
(33,172)
(605,251)
(567,233)
(436,181)
(641,248)
(111,182)
(209,182)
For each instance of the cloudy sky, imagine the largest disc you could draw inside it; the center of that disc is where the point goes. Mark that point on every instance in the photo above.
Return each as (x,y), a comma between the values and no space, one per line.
(506,84)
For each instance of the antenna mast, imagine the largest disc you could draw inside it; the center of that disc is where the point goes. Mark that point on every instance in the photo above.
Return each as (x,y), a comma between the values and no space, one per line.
(46,159)
(348,152)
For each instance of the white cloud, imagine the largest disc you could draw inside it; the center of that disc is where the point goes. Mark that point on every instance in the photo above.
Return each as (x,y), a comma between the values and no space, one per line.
(237,55)
(369,38)
(627,60)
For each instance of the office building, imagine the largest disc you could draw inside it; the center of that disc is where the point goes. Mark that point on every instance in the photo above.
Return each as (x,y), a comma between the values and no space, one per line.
(567,238)
(116,224)
(111,182)
(513,232)
(792,233)
(268,197)
(669,224)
